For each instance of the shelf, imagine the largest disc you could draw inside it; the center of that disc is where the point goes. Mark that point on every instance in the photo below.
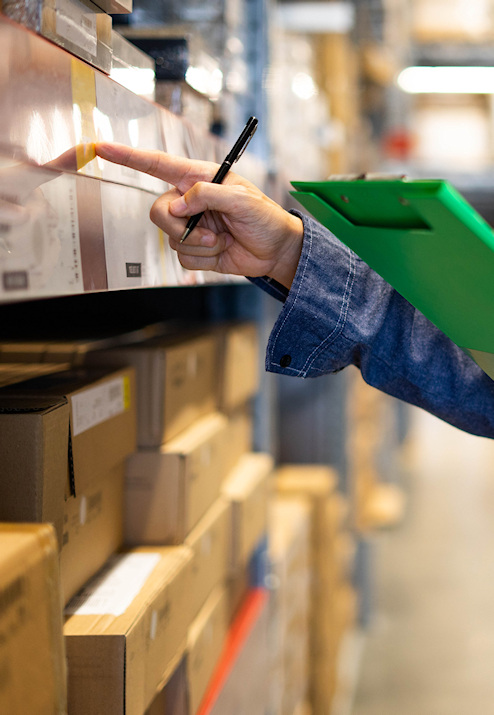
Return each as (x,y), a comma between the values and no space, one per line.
(88,228)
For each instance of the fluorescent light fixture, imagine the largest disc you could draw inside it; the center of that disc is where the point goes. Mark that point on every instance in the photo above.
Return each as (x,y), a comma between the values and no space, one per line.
(317,17)
(303,86)
(447,80)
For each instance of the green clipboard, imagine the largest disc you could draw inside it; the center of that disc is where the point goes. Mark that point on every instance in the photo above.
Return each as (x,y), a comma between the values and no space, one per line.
(425,240)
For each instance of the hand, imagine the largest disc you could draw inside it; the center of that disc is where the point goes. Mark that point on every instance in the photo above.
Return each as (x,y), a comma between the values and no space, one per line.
(242,232)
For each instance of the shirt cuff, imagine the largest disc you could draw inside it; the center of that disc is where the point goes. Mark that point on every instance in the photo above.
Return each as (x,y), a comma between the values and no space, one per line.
(307,339)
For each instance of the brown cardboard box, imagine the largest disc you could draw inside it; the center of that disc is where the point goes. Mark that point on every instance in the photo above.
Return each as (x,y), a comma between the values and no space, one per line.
(176,383)
(240,435)
(246,488)
(128,631)
(119,7)
(63,442)
(205,643)
(210,544)
(331,558)
(76,25)
(158,706)
(32,656)
(169,490)
(93,530)
(239,364)
(34,438)
(12,372)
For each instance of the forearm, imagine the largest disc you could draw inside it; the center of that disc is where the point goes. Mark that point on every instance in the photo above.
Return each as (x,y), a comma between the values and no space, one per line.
(340,312)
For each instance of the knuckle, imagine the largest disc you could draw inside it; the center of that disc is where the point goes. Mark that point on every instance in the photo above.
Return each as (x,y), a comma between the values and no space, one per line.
(155,212)
(154,163)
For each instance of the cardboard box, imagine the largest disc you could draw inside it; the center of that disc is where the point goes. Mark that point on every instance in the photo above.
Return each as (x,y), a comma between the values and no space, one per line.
(93,530)
(76,25)
(59,355)
(32,655)
(331,554)
(169,490)
(118,7)
(63,442)
(176,383)
(239,360)
(210,545)
(316,484)
(126,633)
(246,488)
(240,434)
(205,643)
(34,439)
(12,373)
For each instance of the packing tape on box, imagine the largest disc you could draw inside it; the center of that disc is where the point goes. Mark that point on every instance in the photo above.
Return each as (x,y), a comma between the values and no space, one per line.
(84,101)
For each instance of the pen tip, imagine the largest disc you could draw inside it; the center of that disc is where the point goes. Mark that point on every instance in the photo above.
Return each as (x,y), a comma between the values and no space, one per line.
(184,235)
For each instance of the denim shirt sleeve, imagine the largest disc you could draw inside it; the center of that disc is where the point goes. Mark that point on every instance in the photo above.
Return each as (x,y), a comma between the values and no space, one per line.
(339,312)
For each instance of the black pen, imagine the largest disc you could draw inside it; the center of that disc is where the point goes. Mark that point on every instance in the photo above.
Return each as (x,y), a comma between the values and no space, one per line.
(235,154)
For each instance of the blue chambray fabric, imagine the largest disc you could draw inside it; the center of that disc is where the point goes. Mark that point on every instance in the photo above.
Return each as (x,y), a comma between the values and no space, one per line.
(339,312)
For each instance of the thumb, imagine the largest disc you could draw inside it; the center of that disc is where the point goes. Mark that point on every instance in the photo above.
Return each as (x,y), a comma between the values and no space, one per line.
(178,207)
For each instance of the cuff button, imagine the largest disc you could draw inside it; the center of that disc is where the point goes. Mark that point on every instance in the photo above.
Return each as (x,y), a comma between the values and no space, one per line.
(285,360)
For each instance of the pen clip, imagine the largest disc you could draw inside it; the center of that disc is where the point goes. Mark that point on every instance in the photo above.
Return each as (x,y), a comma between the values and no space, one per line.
(246,143)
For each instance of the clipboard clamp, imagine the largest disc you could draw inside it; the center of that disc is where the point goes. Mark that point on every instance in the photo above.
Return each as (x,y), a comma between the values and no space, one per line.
(367,176)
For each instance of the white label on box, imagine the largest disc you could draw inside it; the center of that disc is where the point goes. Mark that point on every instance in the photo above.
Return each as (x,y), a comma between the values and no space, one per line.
(112,591)
(77,24)
(97,404)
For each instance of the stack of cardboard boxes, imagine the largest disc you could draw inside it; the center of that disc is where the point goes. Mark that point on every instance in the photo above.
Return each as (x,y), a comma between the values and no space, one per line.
(332,607)
(377,498)
(142,461)
(194,435)
(290,576)
(64,440)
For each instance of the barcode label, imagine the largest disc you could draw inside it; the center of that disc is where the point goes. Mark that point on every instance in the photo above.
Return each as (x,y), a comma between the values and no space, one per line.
(112,591)
(97,404)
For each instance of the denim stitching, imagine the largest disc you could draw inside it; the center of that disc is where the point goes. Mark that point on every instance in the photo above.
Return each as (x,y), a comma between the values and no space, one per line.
(309,237)
(342,317)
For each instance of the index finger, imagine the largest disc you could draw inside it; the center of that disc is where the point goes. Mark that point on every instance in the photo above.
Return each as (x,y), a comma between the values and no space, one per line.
(177,170)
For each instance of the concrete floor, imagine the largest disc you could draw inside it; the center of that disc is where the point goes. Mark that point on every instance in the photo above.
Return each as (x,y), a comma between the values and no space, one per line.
(430,647)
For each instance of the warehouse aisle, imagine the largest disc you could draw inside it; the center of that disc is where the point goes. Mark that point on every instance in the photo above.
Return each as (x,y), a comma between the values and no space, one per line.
(430,648)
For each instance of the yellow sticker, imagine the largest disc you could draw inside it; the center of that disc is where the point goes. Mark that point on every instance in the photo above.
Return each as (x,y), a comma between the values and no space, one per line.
(162,255)
(127,395)
(84,104)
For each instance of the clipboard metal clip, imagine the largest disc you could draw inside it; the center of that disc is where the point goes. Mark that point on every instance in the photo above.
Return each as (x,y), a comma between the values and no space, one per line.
(368,176)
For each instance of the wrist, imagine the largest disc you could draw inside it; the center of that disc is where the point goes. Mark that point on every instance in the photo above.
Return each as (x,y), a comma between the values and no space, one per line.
(284,269)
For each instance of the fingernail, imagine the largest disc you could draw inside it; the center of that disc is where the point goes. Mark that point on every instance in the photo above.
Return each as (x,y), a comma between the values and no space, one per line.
(108,151)
(178,206)
(208,239)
